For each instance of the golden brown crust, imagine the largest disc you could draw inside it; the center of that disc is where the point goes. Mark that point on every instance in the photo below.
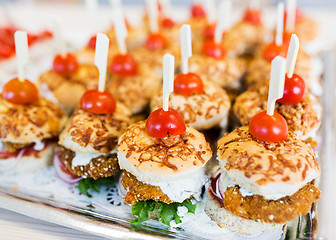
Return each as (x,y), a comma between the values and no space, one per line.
(280,211)
(290,161)
(26,123)
(154,59)
(166,156)
(306,29)
(259,69)
(88,132)
(243,37)
(99,167)
(138,191)
(226,72)
(69,90)
(299,117)
(135,92)
(198,107)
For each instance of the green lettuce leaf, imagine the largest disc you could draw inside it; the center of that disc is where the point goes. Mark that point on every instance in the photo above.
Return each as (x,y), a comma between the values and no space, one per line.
(87,185)
(167,212)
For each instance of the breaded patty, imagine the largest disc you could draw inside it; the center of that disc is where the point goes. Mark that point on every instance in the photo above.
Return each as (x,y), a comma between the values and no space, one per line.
(138,191)
(99,167)
(256,207)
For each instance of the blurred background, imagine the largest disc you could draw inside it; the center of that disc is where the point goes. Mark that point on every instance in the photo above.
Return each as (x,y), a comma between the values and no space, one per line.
(310,3)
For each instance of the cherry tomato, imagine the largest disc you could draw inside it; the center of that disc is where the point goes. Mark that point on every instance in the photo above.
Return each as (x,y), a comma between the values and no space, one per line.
(92,42)
(124,65)
(294,89)
(156,41)
(32,38)
(212,49)
(24,92)
(272,50)
(298,15)
(161,124)
(65,65)
(209,31)
(197,11)
(98,102)
(269,128)
(286,38)
(167,22)
(6,51)
(188,84)
(252,16)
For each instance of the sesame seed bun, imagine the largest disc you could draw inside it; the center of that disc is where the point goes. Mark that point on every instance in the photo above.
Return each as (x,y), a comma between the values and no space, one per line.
(162,159)
(227,72)
(200,111)
(232,222)
(25,123)
(87,132)
(272,170)
(69,90)
(30,163)
(259,69)
(136,91)
(243,37)
(303,117)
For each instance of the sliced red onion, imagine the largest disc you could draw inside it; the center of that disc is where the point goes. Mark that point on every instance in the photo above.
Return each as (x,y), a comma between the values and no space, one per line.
(215,184)
(15,161)
(63,173)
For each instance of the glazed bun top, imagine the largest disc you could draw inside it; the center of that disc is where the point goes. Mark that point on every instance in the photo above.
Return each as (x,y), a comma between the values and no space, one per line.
(267,168)
(303,117)
(30,122)
(95,133)
(161,159)
(197,109)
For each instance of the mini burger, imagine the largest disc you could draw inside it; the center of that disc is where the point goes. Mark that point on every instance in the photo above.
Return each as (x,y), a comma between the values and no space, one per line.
(204,109)
(202,104)
(163,161)
(67,76)
(87,145)
(163,172)
(261,185)
(29,127)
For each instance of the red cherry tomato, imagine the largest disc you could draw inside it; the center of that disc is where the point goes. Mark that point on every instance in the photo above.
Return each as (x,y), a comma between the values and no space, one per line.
(24,92)
(269,128)
(209,31)
(156,41)
(65,65)
(197,11)
(161,124)
(167,22)
(298,15)
(286,38)
(124,65)
(6,51)
(214,50)
(294,90)
(92,42)
(252,16)
(98,102)
(188,84)
(272,50)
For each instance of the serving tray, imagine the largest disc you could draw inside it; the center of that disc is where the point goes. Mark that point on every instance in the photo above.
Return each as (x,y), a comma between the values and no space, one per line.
(44,196)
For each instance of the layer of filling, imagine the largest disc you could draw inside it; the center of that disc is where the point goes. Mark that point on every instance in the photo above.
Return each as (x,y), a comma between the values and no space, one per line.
(13,150)
(89,165)
(248,205)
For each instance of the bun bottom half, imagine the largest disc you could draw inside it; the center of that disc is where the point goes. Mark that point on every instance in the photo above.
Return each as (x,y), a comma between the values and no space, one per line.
(31,163)
(232,222)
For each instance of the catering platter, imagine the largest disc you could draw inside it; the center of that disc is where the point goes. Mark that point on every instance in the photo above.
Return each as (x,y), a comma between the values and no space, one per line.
(44,196)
